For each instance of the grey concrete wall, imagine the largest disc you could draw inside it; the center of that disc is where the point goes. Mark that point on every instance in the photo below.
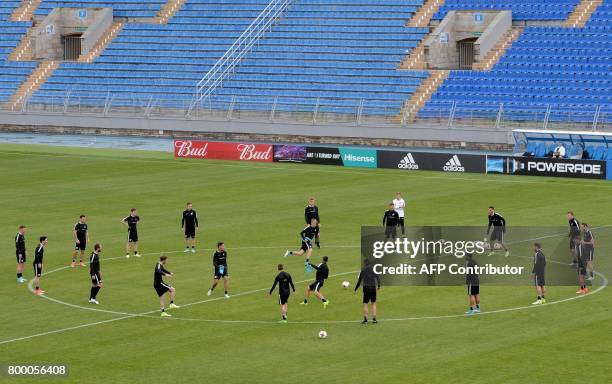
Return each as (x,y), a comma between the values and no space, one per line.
(66,21)
(101,21)
(413,136)
(501,23)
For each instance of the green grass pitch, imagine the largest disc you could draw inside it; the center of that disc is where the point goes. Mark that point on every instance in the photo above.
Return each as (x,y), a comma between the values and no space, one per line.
(257,209)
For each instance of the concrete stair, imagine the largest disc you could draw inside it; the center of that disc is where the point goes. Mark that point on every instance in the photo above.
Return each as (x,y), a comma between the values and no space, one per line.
(416,59)
(31,84)
(422,94)
(498,50)
(582,13)
(168,10)
(25,11)
(101,45)
(24,51)
(425,13)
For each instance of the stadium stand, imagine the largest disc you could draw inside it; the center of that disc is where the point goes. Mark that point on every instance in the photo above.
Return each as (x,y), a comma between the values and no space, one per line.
(329,55)
(333,53)
(12,74)
(567,71)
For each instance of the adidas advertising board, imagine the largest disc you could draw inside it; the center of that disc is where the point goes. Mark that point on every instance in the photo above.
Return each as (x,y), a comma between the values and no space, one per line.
(428,161)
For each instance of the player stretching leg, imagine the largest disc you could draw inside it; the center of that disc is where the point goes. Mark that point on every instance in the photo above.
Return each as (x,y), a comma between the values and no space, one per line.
(472,282)
(132,240)
(81,238)
(220,265)
(539,265)
(588,244)
(162,288)
(284,281)
(312,212)
(190,224)
(38,260)
(308,234)
(498,223)
(94,273)
(322,274)
(371,284)
(20,252)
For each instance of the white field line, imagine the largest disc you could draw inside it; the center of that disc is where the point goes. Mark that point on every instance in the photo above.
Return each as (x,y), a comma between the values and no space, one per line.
(125,315)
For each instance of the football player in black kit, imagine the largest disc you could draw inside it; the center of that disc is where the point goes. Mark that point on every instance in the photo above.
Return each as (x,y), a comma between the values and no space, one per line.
(588,246)
(321,276)
(220,265)
(162,288)
(312,212)
(20,252)
(285,285)
(574,232)
(307,235)
(38,263)
(81,237)
(498,223)
(390,221)
(94,273)
(190,224)
(132,240)
(538,271)
(371,284)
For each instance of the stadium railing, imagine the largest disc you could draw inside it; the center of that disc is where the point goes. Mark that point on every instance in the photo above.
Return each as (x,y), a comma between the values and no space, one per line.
(233,56)
(358,112)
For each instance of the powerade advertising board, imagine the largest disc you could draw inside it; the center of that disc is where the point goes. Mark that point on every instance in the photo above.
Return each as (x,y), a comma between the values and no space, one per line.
(345,156)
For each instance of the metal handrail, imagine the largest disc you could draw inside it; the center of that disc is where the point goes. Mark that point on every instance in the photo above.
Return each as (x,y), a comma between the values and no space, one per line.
(232,57)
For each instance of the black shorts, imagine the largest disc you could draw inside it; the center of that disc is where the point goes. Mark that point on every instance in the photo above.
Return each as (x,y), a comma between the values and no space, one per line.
(96,279)
(473,290)
(37,269)
(218,274)
(283,297)
(316,286)
(538,280)
(369,295)
(391,231)
(306,246)
(81,245)
(190,232)
(497,235)
(21,257)
(401,221)
(587,253)
(132,236)
(161,289)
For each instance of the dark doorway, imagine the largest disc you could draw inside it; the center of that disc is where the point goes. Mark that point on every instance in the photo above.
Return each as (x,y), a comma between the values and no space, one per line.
(466,52)
(72,46)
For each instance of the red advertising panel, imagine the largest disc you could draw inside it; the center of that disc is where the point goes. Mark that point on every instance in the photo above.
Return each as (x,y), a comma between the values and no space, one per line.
(197,149)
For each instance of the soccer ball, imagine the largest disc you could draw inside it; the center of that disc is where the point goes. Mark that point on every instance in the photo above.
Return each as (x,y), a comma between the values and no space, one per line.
(322,334)
(345,284)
